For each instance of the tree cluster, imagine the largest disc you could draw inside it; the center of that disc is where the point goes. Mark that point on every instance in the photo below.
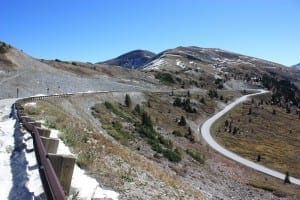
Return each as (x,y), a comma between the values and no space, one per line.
(282,90)
(185,104)
(213,93)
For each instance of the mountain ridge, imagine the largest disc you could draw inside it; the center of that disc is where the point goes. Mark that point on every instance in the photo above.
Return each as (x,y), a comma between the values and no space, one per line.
(297,66)
(133,59)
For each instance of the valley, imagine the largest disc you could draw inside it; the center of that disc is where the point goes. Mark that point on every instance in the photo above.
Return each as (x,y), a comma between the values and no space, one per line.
(140,135)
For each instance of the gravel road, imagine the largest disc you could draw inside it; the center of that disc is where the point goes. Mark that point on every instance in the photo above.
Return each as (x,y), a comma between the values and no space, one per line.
(205,131)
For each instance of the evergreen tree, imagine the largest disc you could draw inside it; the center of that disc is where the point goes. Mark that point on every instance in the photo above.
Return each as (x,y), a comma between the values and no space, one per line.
(287,178)
(177,102)
(182,121)
(137,109)
(146,120)
(127,101)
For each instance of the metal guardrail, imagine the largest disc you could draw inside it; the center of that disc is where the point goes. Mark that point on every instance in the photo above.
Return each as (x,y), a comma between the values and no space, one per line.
(51,183)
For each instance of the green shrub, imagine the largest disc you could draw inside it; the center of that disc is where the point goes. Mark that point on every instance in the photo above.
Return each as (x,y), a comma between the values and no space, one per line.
(167,143)
(3,48)
(182,121)
(137,109)
(116,111)
(85,158)
(155,146)
(177,133)
(195,155)
(147,132)
(127,100)
(108,105)
(146,120)
(202,100)
(165,78)
(173,156)
(177,102)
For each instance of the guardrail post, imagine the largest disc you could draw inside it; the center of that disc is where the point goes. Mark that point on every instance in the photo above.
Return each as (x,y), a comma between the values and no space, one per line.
(44,132)
(63,166)
(28,119)
(50,144)
(36,124)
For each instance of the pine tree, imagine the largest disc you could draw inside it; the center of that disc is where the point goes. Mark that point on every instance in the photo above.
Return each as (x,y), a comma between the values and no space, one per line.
(127,101)
(182,121)
(287,178)
(137,109)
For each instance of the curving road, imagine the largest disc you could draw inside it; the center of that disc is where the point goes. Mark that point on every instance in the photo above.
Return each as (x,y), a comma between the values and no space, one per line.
(205,131)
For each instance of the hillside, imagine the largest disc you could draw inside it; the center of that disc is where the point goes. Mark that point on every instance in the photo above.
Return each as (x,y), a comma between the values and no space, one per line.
(297,66)
(149,145)
(28,76)
(195,67)
(132,60)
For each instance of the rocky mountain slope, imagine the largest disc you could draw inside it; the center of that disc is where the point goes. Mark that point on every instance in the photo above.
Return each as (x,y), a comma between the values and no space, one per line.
(181,67)
(132,60)
(192,82)
(297,66)
(22,75)
(199,67)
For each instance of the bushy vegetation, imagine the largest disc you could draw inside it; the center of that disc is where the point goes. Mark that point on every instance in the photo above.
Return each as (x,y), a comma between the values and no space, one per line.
(116,130)
(116,111)
(281,88)
(114,127)
(157,142)
(137,109)
(190,135)
(213,93)
(195,155)
(219,83)
(127,100)
(182,121)
(185,104)
(177,133)
(143,126)
(174,156)
(3,48)
(165,78)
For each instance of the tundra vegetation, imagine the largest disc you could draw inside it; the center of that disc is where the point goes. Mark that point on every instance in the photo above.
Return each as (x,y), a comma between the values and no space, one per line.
(263,132)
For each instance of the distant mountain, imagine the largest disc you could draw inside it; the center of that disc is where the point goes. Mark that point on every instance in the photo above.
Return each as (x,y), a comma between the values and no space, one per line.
(216,59)
(297,66)
(133,59)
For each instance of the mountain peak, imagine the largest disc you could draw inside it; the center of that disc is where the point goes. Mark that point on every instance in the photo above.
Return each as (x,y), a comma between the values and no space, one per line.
(297,66)
(133,59)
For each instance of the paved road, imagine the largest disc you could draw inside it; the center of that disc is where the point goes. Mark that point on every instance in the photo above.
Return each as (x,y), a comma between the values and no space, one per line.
(205,131)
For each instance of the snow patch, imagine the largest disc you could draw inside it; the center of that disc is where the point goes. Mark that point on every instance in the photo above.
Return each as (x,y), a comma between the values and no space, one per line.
(7,145)
(180,64)
(155,65)
(6,148)
(30,105)
(39,95)
(34,184)
(87,187)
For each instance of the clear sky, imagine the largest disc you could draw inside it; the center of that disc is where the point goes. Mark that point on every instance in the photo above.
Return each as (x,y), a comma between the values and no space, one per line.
(96,30)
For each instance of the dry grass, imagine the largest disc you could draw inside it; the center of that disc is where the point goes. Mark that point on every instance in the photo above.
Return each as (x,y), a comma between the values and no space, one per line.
(93,150)
(279,189)
(275,137)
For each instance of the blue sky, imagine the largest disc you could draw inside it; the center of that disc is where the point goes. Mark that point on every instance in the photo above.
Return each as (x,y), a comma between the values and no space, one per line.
(96,30)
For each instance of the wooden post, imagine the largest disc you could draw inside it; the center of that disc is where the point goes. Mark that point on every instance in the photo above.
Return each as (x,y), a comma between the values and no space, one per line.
(44,132)
(37,124)
(50,144)
(28,119)
(63,166)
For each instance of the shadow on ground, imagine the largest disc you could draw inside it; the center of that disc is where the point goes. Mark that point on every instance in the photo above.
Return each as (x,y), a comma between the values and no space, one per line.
(18,165)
